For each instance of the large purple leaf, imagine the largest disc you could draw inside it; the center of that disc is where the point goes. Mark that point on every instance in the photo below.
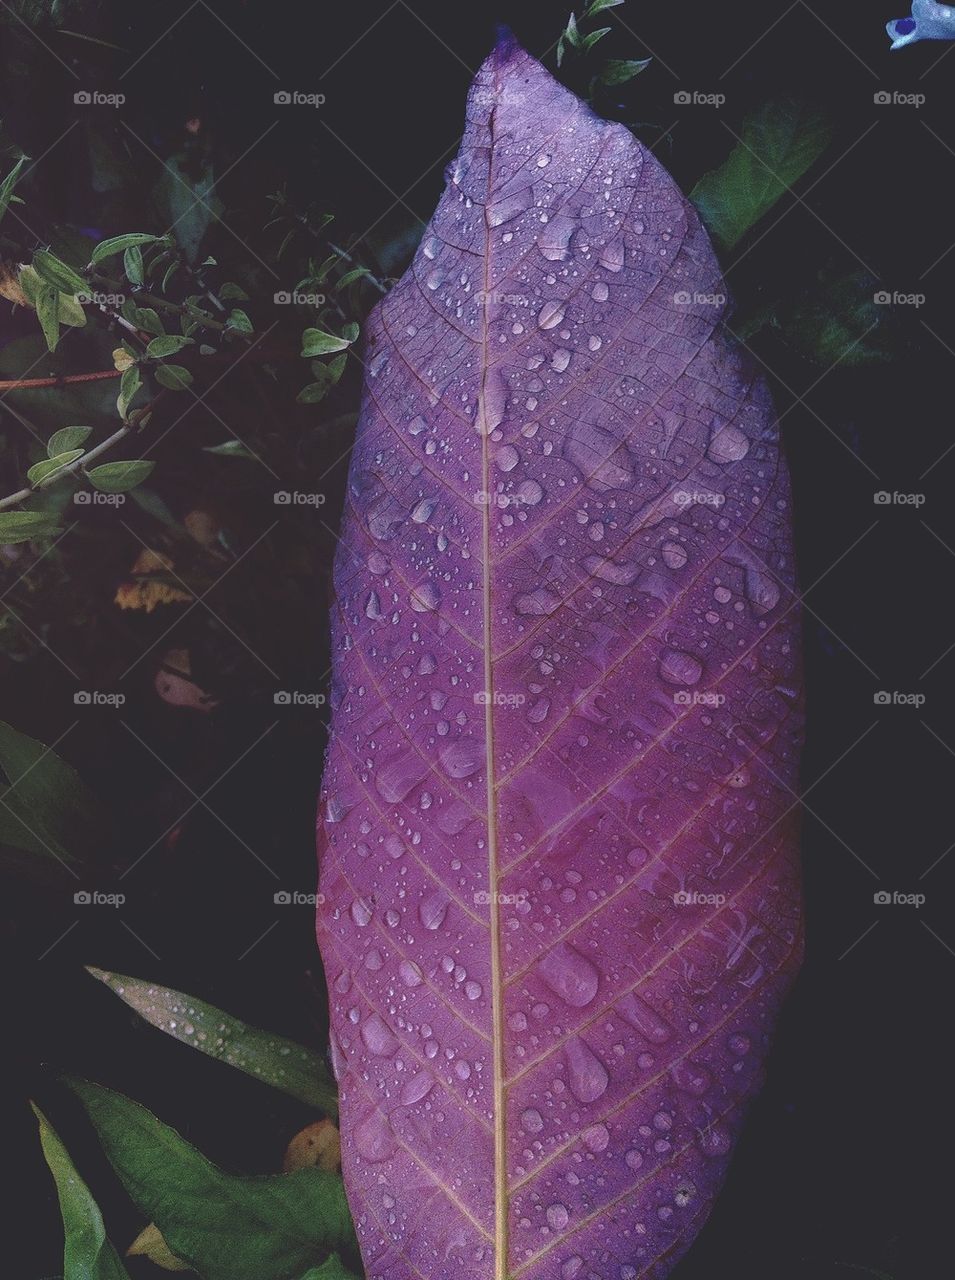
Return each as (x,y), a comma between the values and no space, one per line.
(557,845)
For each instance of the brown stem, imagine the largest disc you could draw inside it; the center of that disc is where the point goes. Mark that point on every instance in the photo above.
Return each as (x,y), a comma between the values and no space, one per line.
(61,380)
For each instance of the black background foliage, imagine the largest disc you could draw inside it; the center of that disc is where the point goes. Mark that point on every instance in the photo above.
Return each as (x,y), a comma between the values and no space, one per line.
(836,1171)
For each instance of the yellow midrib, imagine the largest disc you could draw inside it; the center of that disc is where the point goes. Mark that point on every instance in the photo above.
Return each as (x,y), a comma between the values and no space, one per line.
(497,992)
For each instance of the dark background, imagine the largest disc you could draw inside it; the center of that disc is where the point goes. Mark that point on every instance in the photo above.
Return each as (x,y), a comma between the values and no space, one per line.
(843,1167)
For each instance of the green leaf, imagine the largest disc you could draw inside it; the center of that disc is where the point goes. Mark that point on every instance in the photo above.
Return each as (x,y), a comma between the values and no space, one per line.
(119,477)
(167,345)
(313,393)
(598,6)
(188,203)
(24,526)
(7,185)
(87,1254)
(357,273)
(838,322)
(129,385)
(47,310)
(70,311)
(230,449)
(43,470)
(173,377)
(147,319)
(331,1269)
(57,273)
(779,143)
(225,1226)
(281,1063)
(231,291)
(67,438)
(133,264)
(44,806)
(119,244)
(621,70)
(315,342)
(239,321)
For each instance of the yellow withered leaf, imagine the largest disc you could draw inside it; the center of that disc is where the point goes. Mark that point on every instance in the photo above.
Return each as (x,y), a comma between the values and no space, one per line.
(318,1144)
(150,1244)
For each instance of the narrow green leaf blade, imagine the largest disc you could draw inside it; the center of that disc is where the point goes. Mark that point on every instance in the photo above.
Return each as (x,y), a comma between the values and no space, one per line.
(279,1062)
(87,1254)
(47,310)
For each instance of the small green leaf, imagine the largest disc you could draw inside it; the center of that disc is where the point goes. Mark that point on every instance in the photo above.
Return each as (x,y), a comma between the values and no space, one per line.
(331,1269)
(67,438)
(598,6)
(24,526)
(311,394)
(225,1226)
(779,142)
(87,1254)
(588,42)
(167,345)
(357,273)
(279,1062)
(47,310)
(315,342)
(119,244)
(70,311)
(49,466)
(239,321)
(170,272)
(173,377)
(7,185)
(230,449)
(133,264)
(232,292)
(119,477)
(57,273)
(148,320)
(350,331)
(621,70)
(129,384)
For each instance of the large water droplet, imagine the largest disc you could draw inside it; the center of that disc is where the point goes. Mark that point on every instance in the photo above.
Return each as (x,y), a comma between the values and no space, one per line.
(570,975)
